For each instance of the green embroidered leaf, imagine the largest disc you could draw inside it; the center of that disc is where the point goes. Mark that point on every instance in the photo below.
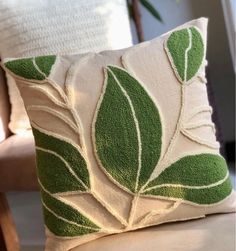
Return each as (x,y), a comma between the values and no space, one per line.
(127,130)
(193,170)
(61,167)
(64,220)
(200,196)
(201,179)
(27,67)
(55,175)
(185,49)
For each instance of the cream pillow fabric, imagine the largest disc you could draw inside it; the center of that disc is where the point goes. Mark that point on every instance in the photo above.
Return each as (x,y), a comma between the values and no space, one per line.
(124,139)
(32,28)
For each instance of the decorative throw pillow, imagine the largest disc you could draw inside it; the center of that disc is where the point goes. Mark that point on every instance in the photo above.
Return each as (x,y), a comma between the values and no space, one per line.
(33,28)
(124,139)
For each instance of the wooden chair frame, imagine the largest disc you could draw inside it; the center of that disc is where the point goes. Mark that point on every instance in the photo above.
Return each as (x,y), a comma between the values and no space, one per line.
(8,235)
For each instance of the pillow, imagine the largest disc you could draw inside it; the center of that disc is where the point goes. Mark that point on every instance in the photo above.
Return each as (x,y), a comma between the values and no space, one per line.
(33,28)
(124,139)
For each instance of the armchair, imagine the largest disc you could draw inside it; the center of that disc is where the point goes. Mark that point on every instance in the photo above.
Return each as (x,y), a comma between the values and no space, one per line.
(18,172)
(17,169)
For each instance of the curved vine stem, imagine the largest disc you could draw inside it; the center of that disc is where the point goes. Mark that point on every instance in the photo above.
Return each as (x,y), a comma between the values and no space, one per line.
(163,161)
(169,149)
(160,213)
(108,208)
(132,210)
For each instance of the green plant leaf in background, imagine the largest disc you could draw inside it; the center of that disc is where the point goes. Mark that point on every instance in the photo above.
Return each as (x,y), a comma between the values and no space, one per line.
(202,179)
(127,131)
(37,68)
(130,9)
(148,6)
(61,167)
(64,220)
(185,49)
(151,9)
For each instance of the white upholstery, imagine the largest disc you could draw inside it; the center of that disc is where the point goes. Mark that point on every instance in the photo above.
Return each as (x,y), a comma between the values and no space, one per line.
(214,233)
(32,28)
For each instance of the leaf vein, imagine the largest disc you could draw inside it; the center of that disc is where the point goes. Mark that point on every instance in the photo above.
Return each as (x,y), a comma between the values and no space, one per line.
(136,126)
(190,187)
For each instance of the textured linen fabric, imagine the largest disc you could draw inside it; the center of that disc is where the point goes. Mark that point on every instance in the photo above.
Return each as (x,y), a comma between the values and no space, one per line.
(17,156)
(124,139)
(31,28)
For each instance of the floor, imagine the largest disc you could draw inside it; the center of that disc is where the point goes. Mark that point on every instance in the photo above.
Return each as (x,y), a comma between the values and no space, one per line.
(27,213)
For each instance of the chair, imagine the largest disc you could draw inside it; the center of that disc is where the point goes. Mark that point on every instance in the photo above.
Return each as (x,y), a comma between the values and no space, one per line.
(18,173)
(17,169)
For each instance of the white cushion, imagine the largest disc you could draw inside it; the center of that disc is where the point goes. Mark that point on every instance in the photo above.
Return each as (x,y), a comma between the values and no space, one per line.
(215,233)
(31,28)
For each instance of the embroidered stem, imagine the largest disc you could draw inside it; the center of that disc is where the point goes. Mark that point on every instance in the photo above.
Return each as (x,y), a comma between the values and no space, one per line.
(66,164)
(177,129)
(57,196)
(68,221)
(83,146)
(54,113)
(69,107)
(107,207)
(190,187)
(189,135)
(47,94)
(161,213)
(132,210)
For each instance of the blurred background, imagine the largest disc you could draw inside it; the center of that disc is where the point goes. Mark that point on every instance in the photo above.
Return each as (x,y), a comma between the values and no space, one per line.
(221,75)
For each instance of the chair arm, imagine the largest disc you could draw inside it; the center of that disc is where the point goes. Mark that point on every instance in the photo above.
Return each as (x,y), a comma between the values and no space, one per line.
(4,107)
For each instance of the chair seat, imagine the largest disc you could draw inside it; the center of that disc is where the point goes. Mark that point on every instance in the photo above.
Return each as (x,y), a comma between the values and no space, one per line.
(213,233)
(17,163)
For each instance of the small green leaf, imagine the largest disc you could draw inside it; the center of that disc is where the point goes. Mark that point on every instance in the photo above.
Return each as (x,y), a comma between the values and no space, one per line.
(64,220)
(55,175)
(185,49)
(130,10)
(193,170)
(195,178)
(27,67)
(57,172)
(127,130)
(151,9)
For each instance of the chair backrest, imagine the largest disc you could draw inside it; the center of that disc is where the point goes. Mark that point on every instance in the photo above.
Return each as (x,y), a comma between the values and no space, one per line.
(4,107)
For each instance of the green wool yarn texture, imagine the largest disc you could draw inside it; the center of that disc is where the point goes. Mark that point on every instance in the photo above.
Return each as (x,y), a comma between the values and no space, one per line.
(129,145)
(32,68)
(62,155)
(189,179)
(185,47)
(64,220)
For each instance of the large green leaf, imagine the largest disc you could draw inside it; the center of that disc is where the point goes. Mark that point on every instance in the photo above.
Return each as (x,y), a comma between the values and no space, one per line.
(197,178)
(185,49)
(64,220)
(59,163)
(127,130)
(27,67)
